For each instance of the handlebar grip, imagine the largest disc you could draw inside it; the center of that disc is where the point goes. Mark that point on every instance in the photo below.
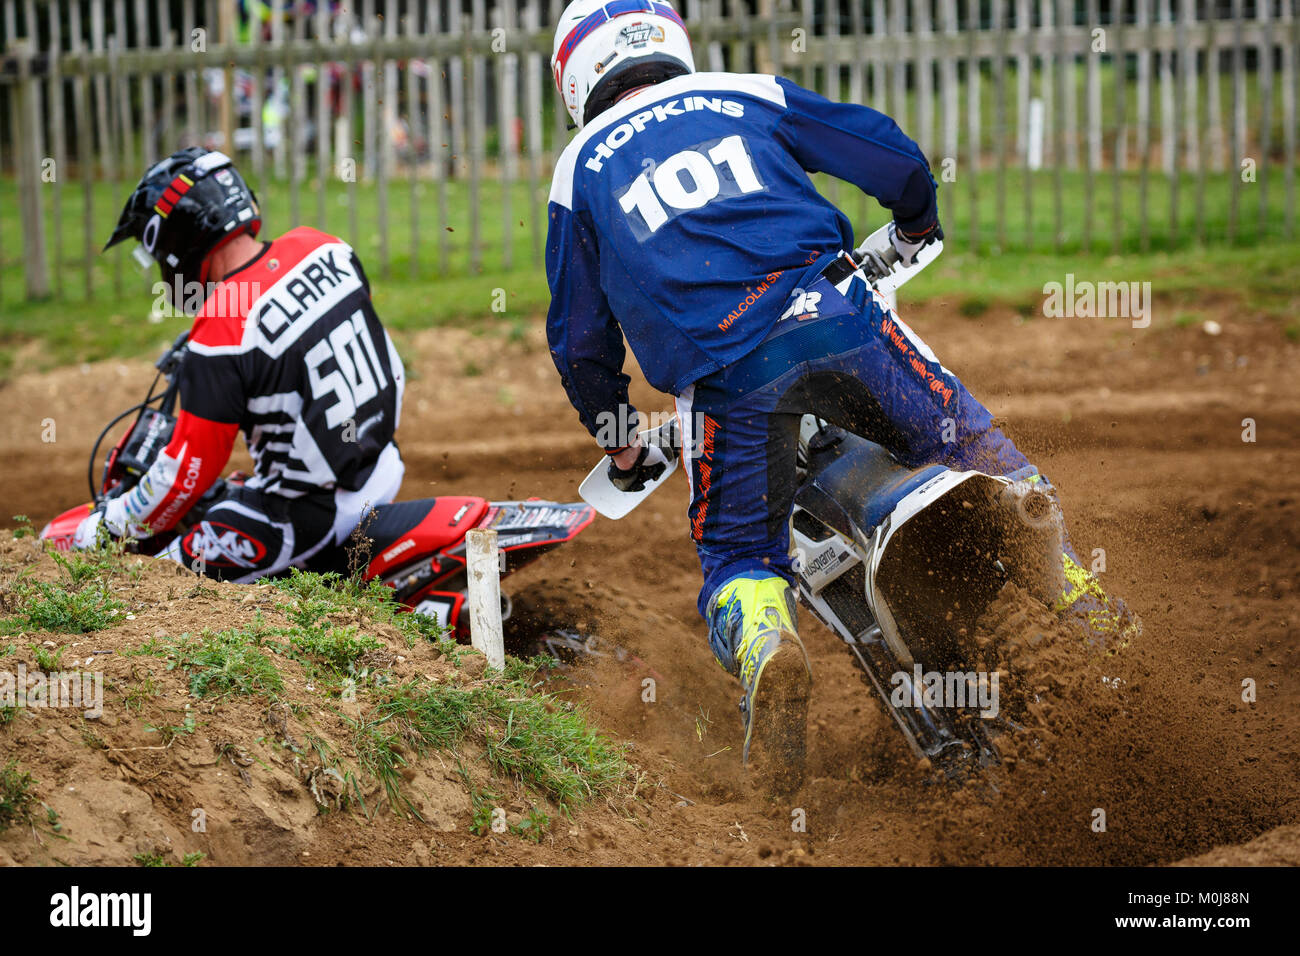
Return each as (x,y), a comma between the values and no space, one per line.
(876,263)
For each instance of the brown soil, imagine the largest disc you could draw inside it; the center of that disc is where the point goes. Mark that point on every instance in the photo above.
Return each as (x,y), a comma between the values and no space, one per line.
(1141,431)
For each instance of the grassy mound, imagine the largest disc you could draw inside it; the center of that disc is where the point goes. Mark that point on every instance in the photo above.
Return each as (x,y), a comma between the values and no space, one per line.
(242,712)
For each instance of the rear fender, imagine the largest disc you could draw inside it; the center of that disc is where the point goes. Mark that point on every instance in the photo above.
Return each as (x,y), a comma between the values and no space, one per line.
(915,532)
(426,565)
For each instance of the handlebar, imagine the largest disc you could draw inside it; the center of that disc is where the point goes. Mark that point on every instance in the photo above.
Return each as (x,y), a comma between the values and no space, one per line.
(167,365)
(171,358)
(876,263)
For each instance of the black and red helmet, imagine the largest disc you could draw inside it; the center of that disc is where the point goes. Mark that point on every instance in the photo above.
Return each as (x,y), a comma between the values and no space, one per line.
(186,206)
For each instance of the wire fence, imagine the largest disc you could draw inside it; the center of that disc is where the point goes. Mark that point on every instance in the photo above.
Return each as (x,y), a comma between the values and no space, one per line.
(1058,123)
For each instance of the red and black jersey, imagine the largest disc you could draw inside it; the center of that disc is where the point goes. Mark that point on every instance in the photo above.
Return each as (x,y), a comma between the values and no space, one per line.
(289,351)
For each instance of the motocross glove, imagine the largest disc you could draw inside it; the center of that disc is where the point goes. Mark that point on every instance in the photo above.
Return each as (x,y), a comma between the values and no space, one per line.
(88,532)
(907,247)
(650,465)
(109,520)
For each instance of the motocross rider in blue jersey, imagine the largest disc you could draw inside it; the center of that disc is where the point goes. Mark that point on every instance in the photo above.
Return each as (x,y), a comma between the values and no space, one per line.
(682,217)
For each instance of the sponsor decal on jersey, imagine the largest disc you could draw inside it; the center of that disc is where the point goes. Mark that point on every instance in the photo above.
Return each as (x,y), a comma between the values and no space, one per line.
(180,503)
(749,300)
(221,546)
(141,498)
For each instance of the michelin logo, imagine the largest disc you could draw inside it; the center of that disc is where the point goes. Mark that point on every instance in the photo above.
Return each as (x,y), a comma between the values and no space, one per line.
(659,113)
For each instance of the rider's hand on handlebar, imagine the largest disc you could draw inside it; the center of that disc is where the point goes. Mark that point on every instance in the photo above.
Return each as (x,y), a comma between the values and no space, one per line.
(631,468)
(626,459)
(88,532)
(907,249)
(109,520)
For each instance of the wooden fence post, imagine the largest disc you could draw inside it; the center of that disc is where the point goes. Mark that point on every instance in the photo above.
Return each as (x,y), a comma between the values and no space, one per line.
(482,564)
(59,135)
(28,166)
(227,22)
(1290,93)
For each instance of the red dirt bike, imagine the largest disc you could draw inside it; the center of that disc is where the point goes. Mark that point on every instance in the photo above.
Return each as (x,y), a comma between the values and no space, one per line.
(415,547)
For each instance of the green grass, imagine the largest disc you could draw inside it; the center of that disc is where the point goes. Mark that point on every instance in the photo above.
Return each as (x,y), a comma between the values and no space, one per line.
(1263,279)
(533,826)
(79,602)
(1016,249)
(239,660)
(170,733)
(114,320)
(138,693)
(535,739)
(316,596)
(813,75)
(16,799)
(51,607)
(230,661)
(46,659)
(158,859)
(336,648)
(486,811)
(532,738)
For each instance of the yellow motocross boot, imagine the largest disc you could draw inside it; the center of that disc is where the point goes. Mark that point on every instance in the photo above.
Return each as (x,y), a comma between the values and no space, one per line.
(752,633)
(1107,620)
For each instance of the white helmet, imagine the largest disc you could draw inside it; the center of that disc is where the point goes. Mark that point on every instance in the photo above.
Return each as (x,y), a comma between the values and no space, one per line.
(604,48)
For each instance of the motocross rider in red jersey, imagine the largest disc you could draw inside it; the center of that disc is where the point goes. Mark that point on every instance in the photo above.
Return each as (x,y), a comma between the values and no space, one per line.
(285,348)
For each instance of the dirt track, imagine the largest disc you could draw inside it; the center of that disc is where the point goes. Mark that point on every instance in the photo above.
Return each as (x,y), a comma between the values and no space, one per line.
(1142,432)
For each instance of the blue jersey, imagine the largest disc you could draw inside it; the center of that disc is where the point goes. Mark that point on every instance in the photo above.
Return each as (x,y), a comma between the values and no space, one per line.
(683,217)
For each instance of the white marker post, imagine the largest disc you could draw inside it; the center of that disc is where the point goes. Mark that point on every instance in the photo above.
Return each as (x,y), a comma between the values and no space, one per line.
(483,568)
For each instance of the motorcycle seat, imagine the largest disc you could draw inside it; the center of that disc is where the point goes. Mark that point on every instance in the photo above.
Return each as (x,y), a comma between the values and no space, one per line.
(856,484)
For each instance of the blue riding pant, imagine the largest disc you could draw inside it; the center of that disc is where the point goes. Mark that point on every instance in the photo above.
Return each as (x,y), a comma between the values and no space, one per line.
(849,359)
